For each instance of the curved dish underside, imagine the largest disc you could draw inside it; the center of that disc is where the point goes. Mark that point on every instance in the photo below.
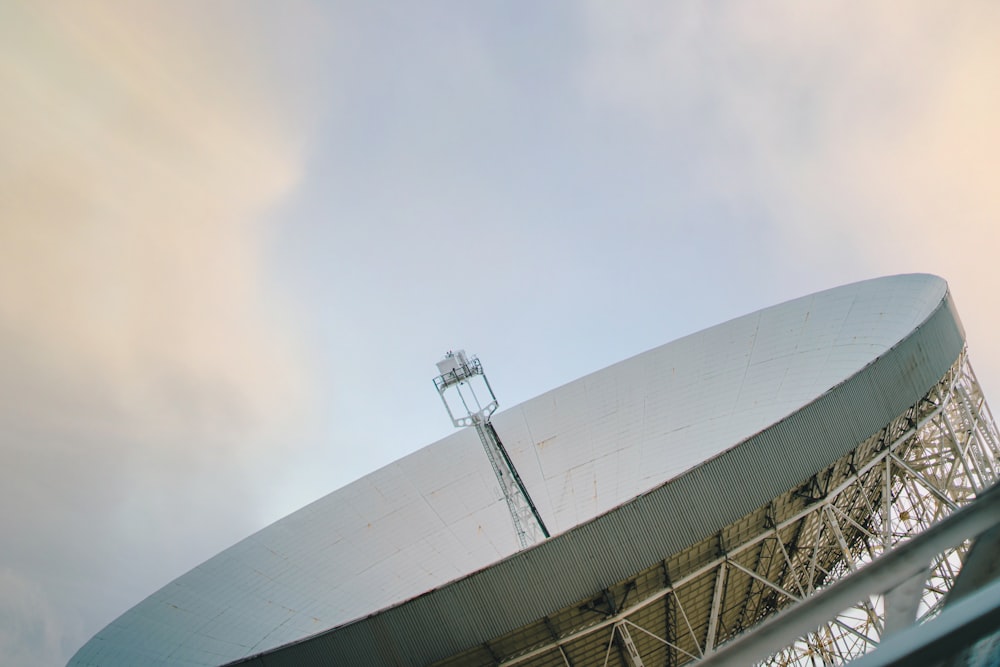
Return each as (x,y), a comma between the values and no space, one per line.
(647,458)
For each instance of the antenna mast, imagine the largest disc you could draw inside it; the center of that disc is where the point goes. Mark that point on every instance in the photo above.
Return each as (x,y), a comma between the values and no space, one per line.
(459,373)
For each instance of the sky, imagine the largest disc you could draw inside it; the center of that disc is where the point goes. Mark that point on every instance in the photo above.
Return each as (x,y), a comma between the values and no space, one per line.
(235,237)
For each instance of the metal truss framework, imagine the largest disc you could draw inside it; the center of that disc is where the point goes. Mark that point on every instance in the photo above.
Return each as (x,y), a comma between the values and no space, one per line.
(458,372)
(934,458)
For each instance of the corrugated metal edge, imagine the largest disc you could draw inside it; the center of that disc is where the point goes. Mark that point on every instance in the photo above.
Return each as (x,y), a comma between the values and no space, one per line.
(608,548)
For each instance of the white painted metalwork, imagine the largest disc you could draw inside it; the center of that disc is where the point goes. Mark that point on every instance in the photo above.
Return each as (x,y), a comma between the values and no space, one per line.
(929,462)
(630,465)
(631,651)
(893,569)
(462,375)
(459,373)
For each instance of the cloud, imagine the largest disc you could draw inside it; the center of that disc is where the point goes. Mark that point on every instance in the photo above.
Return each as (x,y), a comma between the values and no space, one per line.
(29,632)
(129,252)
(867,137)
(146,365)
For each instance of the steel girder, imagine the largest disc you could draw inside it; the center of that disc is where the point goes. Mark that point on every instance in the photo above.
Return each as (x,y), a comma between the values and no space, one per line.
(936,457)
